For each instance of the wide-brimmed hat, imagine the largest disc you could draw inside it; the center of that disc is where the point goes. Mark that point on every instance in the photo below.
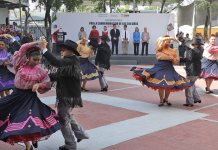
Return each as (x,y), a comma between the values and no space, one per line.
(197,41)
(70,45)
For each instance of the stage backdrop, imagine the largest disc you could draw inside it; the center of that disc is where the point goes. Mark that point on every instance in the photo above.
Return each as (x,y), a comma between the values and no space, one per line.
(156,25)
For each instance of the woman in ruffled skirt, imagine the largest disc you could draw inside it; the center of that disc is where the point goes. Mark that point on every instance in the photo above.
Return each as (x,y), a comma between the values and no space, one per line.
(209,64)
(89,70)
(23,116)
(6,77)
(162,76)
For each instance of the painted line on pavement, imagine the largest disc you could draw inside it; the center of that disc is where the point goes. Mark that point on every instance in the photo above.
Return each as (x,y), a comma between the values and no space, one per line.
(157,119)
(210,120)
(121,72)
(130,87)
(122,80)
(205,107)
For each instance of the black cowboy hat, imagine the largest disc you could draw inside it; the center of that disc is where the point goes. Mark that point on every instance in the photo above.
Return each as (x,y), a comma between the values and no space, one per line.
(70,45)
(197,41)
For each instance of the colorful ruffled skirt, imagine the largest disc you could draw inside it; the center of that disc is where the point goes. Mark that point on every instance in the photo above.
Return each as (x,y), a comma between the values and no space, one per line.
(161,76)
(89,71)
(6,79)
(209,69)
(23,117)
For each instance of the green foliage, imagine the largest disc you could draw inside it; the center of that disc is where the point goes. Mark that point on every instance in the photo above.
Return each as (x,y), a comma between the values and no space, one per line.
(100,7)
(202,4)
(122,10)
(130,1)
(84,8)
(72,4)
(151,7)
(56,5)
(101,4)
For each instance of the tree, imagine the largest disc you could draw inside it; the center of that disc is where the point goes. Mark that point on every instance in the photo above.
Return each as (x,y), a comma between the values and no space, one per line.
(101,4)
(48,4)
(27,15)
(162,5)
(55,6)
(206,4)
(72,4)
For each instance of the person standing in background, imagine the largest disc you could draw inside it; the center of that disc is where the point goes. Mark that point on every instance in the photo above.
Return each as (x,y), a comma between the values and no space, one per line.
(115,34)
(136,41)
(94,34)
(145,41)
(55,29)
(125,36)
(82,33)
(6,77)
(182,49)
(104,32)
(187,38)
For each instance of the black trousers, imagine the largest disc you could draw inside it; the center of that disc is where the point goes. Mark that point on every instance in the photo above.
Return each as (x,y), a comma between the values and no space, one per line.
(114,43)
(136,48)
(144,45)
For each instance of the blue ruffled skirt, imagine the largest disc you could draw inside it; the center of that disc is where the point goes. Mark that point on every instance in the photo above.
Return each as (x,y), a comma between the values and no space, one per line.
(161,76)
(6,79)
(89,71)
(25,118)
(209,69)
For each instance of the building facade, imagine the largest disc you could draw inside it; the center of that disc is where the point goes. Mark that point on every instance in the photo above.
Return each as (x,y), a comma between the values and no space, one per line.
(6,5)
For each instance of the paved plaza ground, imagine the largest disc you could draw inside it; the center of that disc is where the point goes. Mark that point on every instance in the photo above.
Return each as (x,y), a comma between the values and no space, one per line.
(127,118)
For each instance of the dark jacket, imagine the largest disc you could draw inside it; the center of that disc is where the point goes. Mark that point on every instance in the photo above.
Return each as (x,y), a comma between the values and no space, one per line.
(68,77)
(193,61)
(103,55)
(113,34)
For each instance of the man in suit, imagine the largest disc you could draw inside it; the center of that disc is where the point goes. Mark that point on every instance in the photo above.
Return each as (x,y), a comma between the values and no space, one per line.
(125,36)
(115,34)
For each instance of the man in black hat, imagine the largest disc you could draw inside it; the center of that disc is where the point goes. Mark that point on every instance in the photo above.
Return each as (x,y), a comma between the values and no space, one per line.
(102,60)
(193,69)
(68,90)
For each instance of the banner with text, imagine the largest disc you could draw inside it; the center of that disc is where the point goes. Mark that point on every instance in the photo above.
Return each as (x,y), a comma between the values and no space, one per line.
(156,25)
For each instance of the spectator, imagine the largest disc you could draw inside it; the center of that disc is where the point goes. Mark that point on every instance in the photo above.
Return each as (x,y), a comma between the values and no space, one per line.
(182,49)
(125,37)
(82,33)
(104,32)
(115,34)
(94,34)
(136,40)
(145,41)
